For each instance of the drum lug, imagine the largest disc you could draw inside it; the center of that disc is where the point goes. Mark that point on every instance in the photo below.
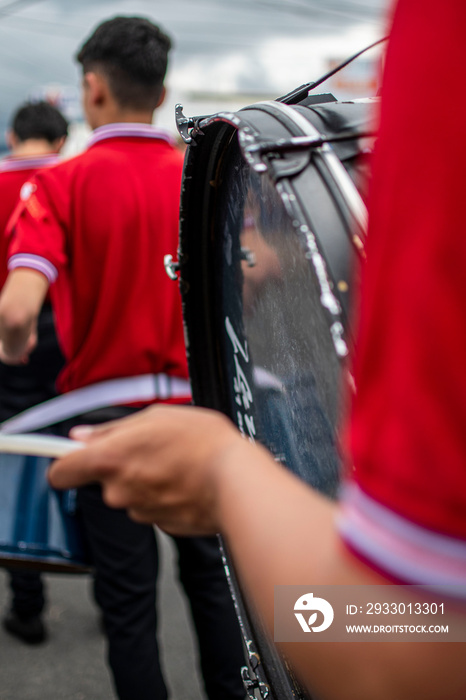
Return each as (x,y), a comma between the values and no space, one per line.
(251,685)
(284,157)
(249,675)
(188,127)
(171,267)
(337,331)
(248,256)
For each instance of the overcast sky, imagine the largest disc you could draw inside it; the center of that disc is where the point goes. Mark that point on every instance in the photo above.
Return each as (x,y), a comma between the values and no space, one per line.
(222,46)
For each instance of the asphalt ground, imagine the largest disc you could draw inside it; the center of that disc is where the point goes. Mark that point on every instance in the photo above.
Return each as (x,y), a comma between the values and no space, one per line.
(71,664)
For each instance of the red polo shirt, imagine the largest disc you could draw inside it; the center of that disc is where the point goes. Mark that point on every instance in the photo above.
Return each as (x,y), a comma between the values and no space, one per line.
(14,172)
(405,510)
(99,225)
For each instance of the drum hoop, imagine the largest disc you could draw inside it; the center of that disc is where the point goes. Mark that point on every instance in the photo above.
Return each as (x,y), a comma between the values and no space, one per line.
(289,115)
(347,187)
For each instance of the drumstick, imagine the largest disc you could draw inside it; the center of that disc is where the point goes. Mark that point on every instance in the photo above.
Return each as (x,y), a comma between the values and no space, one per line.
(37,445)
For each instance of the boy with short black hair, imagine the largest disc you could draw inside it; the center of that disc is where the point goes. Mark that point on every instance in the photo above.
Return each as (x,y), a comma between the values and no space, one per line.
(37,133)
(132,56)
(96,230)
(37,121)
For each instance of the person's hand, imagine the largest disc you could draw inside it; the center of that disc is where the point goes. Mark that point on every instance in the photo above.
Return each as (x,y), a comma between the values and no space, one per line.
(163,464)
(14,359)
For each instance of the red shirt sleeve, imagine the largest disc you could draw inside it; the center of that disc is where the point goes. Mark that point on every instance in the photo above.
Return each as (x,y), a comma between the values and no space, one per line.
(38,228)
(405,510)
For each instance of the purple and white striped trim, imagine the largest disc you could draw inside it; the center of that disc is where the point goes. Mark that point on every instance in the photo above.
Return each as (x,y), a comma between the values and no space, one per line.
(125,130)
(404,550)
(12,163)
(35,262)
(110,392)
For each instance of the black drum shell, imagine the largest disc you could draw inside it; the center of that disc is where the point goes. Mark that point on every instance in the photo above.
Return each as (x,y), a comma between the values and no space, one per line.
(319,208)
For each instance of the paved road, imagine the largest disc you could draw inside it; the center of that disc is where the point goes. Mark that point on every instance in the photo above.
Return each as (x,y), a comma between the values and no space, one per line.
(71,665)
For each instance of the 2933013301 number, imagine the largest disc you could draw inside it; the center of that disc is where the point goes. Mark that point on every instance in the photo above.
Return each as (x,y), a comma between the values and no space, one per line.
(400,608)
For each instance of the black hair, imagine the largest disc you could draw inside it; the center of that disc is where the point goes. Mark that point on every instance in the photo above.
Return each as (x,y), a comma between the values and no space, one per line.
(132,54)
(39,120)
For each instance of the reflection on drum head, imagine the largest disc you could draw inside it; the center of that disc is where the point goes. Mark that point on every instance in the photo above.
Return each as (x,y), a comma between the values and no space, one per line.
(284,368)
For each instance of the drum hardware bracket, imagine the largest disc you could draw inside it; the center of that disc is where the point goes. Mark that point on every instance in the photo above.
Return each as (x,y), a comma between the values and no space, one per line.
(263,154)
(259,153)
(248,256)
(253,684)
(337,331)
(171,267)
(188,127)
(298,94)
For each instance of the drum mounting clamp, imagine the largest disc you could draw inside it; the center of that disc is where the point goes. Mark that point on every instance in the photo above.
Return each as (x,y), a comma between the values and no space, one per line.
(286,157)
(251,685)
(249,675)
(248,256)
(171,267)
(188,127)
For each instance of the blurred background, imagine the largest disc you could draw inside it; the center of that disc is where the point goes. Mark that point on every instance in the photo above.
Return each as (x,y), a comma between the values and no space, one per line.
(227,53)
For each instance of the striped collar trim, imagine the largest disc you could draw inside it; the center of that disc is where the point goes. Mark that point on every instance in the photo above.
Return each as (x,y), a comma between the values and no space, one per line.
(12,163)
(129,130)
(404,550)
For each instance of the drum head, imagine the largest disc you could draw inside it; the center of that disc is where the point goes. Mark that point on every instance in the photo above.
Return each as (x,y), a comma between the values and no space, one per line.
(268,255)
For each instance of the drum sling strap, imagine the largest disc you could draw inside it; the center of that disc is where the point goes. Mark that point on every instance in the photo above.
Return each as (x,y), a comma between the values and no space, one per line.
(113,392)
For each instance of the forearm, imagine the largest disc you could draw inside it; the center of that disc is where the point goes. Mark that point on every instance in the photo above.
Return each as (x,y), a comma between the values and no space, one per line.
(14,334)
(20,303)
(258,502)
(190,471)
(281,533)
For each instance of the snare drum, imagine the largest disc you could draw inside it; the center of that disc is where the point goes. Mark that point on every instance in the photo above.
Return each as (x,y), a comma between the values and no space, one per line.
(273,221)
(39,527)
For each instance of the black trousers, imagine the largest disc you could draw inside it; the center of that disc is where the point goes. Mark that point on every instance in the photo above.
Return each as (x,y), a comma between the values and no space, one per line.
(20,388)
(126,564)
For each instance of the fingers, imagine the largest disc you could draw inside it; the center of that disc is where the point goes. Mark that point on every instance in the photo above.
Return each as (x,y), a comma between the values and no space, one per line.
(12,360)
(87,433)
(155,463)
(72,471)
(172,524)
(109,448)
(83,433)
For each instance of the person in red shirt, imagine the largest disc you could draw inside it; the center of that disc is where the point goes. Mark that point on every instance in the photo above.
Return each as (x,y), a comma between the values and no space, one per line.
(402,512)
(95,230)
(37,134)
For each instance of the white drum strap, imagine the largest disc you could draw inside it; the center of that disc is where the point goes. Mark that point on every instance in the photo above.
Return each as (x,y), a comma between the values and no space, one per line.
(113,392)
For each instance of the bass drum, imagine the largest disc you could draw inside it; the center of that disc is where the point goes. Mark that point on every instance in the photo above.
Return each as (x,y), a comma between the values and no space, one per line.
(272,231)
